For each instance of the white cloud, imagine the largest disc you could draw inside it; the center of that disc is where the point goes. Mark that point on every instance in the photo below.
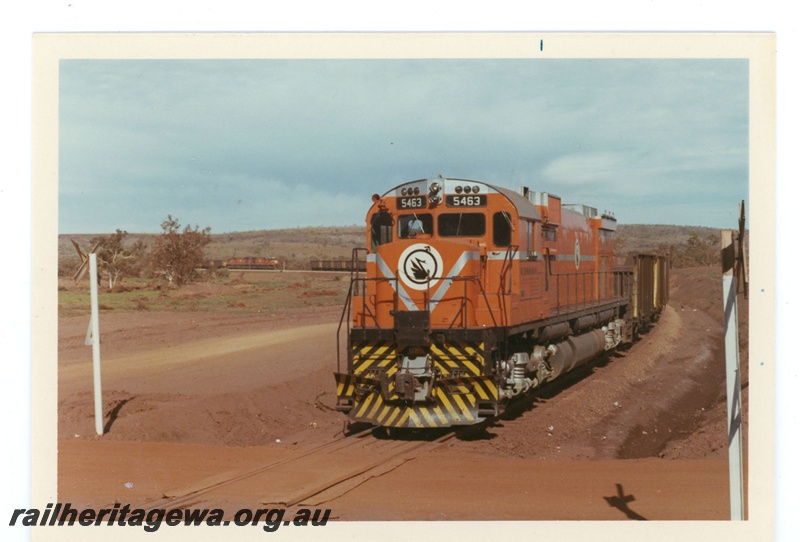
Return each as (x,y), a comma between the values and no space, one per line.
(196,135)
(587,168)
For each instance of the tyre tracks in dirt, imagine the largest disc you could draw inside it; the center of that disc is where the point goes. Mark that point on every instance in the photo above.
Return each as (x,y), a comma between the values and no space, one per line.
(217,360)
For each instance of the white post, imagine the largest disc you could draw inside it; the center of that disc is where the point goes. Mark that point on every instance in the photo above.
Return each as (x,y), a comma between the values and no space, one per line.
(95,329)
(733,377)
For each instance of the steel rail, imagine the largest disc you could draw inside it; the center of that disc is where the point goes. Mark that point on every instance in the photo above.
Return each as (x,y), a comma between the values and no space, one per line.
(196,494)
(190,496)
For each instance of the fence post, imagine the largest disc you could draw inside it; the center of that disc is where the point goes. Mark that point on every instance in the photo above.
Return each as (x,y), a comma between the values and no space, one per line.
(733,376)
(94,330)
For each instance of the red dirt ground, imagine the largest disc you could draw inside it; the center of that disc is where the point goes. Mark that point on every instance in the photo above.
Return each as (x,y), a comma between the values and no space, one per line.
(190,395)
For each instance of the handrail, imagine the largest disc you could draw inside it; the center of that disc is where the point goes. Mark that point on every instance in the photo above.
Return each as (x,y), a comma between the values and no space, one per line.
(360,284)
(354,259)
(365,310)
(508,262)
(464,300)
(345,316)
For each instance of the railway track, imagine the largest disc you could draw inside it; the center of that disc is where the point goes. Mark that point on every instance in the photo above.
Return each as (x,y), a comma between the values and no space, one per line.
(326,471)
(310,478)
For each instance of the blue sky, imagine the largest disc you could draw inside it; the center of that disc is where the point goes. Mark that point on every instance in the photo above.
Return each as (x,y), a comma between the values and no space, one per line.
(261,144)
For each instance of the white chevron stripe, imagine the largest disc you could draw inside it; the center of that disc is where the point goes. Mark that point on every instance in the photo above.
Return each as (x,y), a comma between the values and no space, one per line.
(401,293)
(447,282)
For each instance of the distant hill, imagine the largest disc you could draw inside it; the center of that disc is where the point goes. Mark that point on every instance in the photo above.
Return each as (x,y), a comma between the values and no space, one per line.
(650,237)
(295,246)
(688,245)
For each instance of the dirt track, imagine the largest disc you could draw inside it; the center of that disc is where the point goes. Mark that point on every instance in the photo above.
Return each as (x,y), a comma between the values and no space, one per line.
(189,396)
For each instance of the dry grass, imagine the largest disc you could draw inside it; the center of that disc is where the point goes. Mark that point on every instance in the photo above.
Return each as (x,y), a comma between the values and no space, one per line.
(268,292)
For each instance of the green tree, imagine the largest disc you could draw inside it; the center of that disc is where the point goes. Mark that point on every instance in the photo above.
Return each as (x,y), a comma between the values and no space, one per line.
(177,253)
(700,251)
(115,259)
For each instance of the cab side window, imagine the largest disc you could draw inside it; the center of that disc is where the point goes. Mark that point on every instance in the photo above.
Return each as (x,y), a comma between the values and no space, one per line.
(531,244)
(501,229)
(381,229)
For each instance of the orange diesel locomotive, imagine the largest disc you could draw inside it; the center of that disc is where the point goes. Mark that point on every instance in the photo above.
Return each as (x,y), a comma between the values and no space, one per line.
(474,294)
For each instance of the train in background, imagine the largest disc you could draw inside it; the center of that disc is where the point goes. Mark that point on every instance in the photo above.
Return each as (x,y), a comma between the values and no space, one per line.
(474,294)
(275,263)
(247,262)
(338,265)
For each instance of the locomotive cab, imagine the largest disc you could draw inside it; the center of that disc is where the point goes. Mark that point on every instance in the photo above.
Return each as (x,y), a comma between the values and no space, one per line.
(430,244)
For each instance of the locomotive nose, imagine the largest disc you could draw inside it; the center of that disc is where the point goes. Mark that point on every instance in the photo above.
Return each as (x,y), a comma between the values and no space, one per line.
(437,279)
